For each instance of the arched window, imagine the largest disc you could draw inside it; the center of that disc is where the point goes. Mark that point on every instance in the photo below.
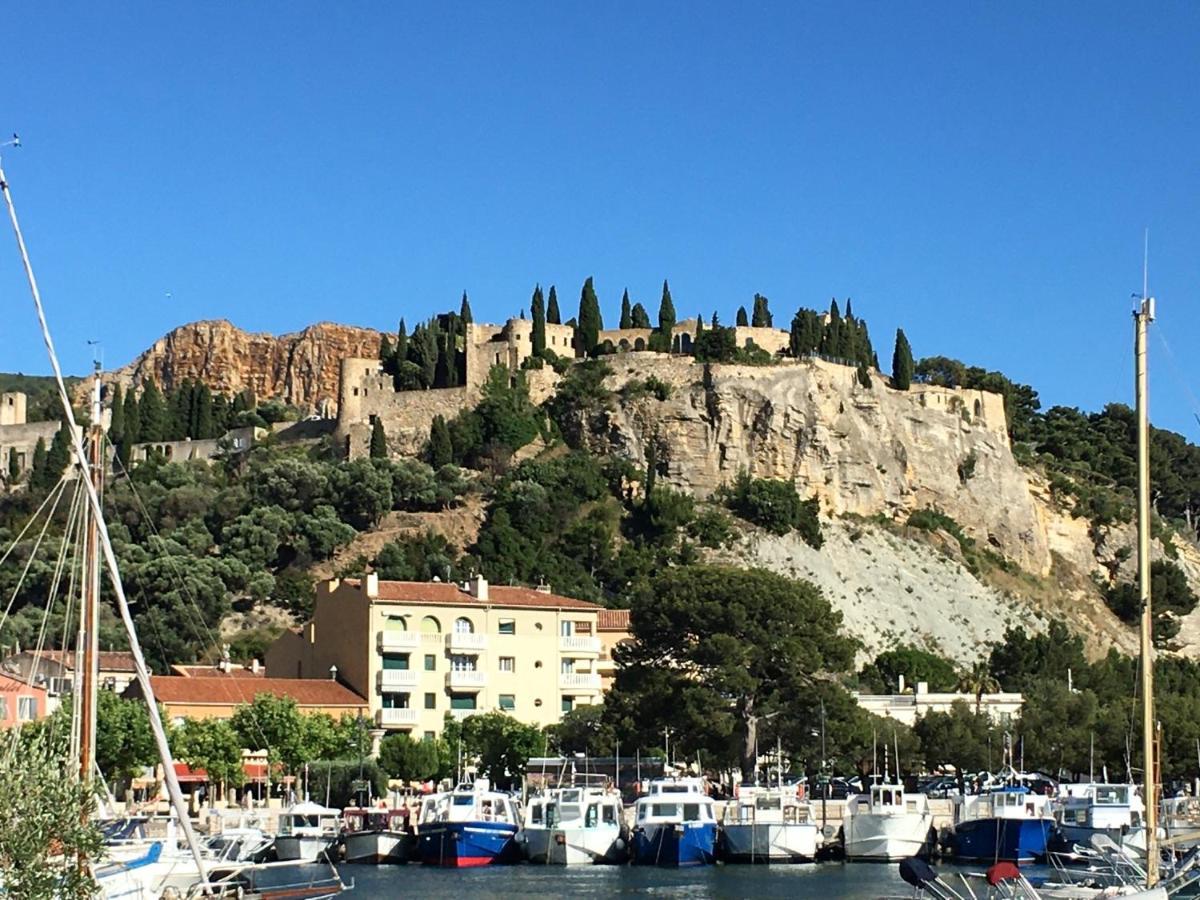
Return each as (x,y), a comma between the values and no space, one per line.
(623,345)
(395,623)
(430,625)
(639,344)
(462,625)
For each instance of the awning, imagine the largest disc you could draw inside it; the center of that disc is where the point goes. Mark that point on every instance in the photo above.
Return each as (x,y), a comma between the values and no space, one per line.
(187,775)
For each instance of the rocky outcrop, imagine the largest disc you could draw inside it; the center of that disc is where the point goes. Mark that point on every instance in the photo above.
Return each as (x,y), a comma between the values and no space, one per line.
(301,368)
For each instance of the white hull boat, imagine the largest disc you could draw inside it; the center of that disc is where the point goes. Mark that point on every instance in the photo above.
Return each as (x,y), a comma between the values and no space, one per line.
(886,823)
(576,826)
(304,848)
(771,842)
(376,846)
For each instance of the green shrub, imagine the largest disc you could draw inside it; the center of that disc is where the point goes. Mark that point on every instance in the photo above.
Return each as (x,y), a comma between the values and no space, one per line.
(775,505)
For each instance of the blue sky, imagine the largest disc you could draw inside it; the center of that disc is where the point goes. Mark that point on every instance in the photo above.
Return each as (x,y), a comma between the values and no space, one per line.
(979,174)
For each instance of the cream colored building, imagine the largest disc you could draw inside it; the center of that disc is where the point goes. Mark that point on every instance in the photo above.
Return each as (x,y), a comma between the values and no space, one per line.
(910,705)
(420,650)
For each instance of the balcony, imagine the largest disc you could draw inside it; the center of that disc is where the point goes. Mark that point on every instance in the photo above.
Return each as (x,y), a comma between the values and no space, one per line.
(465,679)
(397,717)
(579,681)
(466,641)
(398,678)
(460,714)
(398,640)
(586,644)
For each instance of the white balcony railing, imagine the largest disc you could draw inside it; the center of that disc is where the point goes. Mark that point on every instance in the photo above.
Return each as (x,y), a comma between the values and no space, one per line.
(466,640)
(399,678)
(398,640)
(460,714)
(579,643)
(465,679)
(397,717)
(579,681)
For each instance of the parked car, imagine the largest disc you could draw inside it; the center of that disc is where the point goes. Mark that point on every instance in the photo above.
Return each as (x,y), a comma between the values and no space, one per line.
(939,787)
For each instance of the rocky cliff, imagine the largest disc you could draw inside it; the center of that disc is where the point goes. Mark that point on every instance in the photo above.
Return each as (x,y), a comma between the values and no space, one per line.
(301,368)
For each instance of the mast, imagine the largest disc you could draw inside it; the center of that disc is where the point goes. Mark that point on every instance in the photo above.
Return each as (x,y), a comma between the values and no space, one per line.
(88,635)
(1142,317)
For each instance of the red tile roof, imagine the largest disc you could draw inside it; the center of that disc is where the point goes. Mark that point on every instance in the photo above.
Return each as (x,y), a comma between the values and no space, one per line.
(229,690)
(449,594)
(106,660)
(613,620)
(11,685)
(211,671)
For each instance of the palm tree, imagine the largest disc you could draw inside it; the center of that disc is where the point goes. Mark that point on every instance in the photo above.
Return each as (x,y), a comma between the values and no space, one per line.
(978,681)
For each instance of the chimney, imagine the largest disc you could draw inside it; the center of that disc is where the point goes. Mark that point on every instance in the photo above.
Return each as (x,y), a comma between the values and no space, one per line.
(542,588)
(372,585)
(922,687)
(901,691)
(255,666)
(333,673)
(479,588)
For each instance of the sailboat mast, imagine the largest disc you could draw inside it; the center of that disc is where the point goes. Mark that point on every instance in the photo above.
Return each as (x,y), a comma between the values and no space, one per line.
(89,635)
(1142,318)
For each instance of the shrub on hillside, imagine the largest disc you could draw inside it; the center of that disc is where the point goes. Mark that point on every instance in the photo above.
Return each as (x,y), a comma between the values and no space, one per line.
(774,504)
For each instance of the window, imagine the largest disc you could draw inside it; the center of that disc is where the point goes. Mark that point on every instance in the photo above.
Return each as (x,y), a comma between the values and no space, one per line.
(462,625)
(430,662)
(508,702)
(508,626)
(568,667)
(427,737)
(392,661)
(610,814)
(4,708)
(431,701)
(508,664)
(395,701)
(664,810)
(460,663)
(395,623)
(430,625)
(568,704)
(462,701)
(26,709)
(566,628)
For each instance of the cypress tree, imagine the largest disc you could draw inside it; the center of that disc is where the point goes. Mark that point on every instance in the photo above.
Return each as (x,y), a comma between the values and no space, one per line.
(14,471)
(666,311)
(762,313)
(796,336)
(133,418)
(441,448)
(639,317)
(864,377)
(116,420)
(441,369)
(464,311)
(57,456)
(378,440)
(590,321)
(553,316)
(902,363)
(626,311)
(849,311)
(537,309)
(153,414)
(37,474)
(401,352)
(386,354)
(179,412)
(423,352)
(716,323)
(220,414)
(742,320)
(205,427)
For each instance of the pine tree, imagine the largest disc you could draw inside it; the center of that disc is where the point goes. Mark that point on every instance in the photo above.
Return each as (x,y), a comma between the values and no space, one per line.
(378,440)
(441,449)
(205,426)
(590,321)
(553,316)
(639,317)
(133,418)
(626,311)
(116,420)
(762,313)
(153,414)
(464,311)
(537,309)
(742,319)
(902,363)
(666,311)
(37,473)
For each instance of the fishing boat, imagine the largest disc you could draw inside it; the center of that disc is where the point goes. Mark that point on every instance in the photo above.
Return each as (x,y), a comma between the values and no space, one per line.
(1085,810)
(575,826)
(886,822)
(471,825)
(768,825)
(1007,823)
(674,824)
(308,832)
(376,835)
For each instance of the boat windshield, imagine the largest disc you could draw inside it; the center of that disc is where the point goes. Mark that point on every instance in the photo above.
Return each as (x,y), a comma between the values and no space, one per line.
(1112,795)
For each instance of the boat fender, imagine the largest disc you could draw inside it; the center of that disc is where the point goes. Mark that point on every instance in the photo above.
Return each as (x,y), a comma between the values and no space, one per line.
(736,791)
(800,791)
(560,839)
(827,831)
(619,843)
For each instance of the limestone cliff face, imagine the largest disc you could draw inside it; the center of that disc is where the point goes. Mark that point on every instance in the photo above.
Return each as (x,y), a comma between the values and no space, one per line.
(302,368)
(859,450)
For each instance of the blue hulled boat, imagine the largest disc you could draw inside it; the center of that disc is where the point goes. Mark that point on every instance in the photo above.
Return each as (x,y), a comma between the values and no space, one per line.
(469,826)
(674,825)
(1008,823)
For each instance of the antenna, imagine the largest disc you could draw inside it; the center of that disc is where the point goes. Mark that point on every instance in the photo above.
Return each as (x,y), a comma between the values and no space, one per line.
(1146,264)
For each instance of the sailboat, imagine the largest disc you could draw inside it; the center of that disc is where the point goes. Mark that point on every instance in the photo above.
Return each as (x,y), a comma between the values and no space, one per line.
(162,866)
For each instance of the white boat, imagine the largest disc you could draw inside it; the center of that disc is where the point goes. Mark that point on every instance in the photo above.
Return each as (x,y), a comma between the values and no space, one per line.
(1085,810)
(675,825)
(886,822)
(376,835)
(769,825)
(576,826)
(308,832)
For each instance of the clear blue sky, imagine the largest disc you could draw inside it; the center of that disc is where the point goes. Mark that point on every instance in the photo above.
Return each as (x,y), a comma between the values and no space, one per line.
(979,174)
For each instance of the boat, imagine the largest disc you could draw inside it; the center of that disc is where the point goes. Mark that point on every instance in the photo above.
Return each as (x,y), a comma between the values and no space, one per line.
(308,832)
(674,824)
(886,822)
(1085,810)
(768,825)
(1007,823)
(573,826)
(376,835)
(469,826)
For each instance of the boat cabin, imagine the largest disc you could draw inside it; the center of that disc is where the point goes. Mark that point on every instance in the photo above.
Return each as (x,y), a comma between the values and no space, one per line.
(356,820)
(675,801)
(1005,803)
(774,806)
(309,818)
(1102,806)
(574,808)
(471,803)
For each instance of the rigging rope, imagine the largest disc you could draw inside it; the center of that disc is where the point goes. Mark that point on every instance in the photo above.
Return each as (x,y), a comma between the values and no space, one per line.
(58,492)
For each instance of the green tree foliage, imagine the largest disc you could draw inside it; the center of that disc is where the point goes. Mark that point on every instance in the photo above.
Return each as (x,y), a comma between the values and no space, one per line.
(1021,402)
(441,448)
(717,345)
(116,423)
(774,505)
(587,333)
(337,779)
(124,742)
(1170,598)
(421,558)
(14,468)
(464,310)
(379,447)
(276,725)
(39,472)
(537,309)
(406,759)
(504,421)
(742,320)
(154,419)
(882,676)
(211,745)
(1021,659)
(638,317)
(49,837)
(961,738)
(714,650)
(762,312)
(626,311)
(902,363)
(553,316)
(806,333)
(666,312)
(499,744)
(583,730)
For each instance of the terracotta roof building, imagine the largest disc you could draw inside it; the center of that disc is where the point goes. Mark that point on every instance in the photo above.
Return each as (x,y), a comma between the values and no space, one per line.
(217,696)
(55,670)
(612,629)
(421,650)
(20,702)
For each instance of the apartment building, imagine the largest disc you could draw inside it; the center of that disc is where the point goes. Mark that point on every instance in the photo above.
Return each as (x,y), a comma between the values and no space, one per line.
(420,650)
